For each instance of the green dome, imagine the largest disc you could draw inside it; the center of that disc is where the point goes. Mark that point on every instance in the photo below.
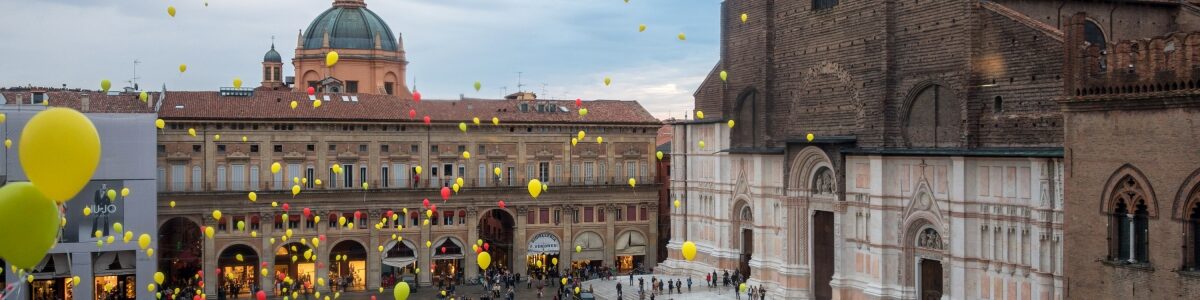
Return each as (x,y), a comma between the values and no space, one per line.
(349,27)
(272,56)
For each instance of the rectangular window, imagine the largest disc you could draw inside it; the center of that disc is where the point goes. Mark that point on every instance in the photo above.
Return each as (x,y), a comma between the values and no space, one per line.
(253,148)
(385,178)
(588,213)
(293,172)
(643,214)
(498,178)
(161,179)
(401,174)
(631,213)
(544,171)
(351,86)
(433,149)
(384,148)
(600,214)
(462,148)
(588,175)
(557,216)
(332,182)
(575,216)
(178,177)
(254,178)
(278,180)
(362,148)
(362,175)
(278,148)
(462,172)
(482,175)
(238,172)
(575,178)
(558,173)
(348,180)
(630,169)
(620,216)
(448,169)
(530,170)
(544,215)
(311,175)
(601,175)
(197,179)
(823,4)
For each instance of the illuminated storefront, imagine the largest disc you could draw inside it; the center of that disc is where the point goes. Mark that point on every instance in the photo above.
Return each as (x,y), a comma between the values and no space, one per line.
(631,250)
(348,266)
(290,263)
(447,260)
(590,250)
(52,279)
(399,263)
(239,270)
(543,251)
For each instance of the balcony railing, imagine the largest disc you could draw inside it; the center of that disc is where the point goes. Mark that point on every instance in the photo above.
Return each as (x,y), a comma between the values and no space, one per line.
(434,183)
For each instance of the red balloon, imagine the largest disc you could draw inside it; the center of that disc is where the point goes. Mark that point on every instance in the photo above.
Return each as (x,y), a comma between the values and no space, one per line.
(321,237)
(425,202)
(445,193)
(389,214)
(261,294)
(486,246)
(218,271)
(416,96)
(443,250)
(357,214)
(311,91)
(307,212)
(264,264)
(287,207)
(426,120)
(501,203)
(433,207)
(372,297)
(196,297)
(200,284)
(412,114)
(477,250)
(578,102)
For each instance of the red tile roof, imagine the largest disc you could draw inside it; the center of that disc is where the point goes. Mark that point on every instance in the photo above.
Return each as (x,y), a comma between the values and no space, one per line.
(274,106)
(97,102)
(665,134)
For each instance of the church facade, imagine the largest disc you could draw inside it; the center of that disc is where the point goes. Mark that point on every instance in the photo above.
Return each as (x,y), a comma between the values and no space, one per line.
(894,150)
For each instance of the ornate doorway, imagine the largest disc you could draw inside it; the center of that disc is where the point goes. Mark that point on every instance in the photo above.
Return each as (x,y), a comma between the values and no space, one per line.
(931,279)
(823,254)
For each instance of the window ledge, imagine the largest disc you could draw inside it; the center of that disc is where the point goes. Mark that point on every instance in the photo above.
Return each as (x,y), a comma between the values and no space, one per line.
(1140,266)
(1193,273)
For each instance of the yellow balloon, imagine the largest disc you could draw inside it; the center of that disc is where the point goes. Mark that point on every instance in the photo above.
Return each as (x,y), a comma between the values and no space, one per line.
(564,281)
(99,243)
(495,121)
(253,196)
(160,123)
(317,181)
(243,138)
(124,192)
(380,248)
(150,252)
(288,233)
(316,219)
(632,182)
(208,232)
(576,289)
(316,242)
(699,114)
(112,194)
(418,169)
(578,249)
(429,213)
(241,225)
(192,132)
(128,237)
(701,144)
(744,17)
(264,272)
(460,181)
(172,204)
(254,233)
(742,287)
(237,82)
(462,126)
(583,112)
(535,188)
(144,241)
(31,221)
(182,68)
(809,137)
(677,203)
(293,104)
(454,187)
(342,221)
(239,257)
(87,211)
(170,11)
(476,119)
(574,141)
(554,261)
(59,150)
(143,96)
(484,260)
(296,189)
(466,154)
(365,186)
(496,171)
(581,134)
(689,250)
(105,85)
(599,140)
(730,123)
(428,244)
(682,37)
(109,239)
(400,292)
(658,154)
(331,58)
(607,80)
(118,227)
(641,27)
(216,214)
(316,103)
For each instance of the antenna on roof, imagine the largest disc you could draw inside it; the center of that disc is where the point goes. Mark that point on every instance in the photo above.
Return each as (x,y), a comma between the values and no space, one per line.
(519,85)
(544,95)
(133,81)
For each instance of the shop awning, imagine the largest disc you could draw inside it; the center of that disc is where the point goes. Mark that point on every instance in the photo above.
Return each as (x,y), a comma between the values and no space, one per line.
(631,243)
(114,263)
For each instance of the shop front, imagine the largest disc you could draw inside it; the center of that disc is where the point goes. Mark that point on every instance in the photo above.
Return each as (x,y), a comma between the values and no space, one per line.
(543,252)
(631,251)
(52,279)
(239,275)
(290,263)
(447,261)
(115,277)
(348,267)
(399,264)
(589,250)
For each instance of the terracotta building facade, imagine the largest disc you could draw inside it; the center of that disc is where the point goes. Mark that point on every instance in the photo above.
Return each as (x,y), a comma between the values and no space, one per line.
(371,55)
(1131,109)
(935,165)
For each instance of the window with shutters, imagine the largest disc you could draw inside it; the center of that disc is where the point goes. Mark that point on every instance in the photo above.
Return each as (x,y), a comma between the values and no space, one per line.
(310,174)
(362,175)
(544,215)
(385,178)
(254,178)
(238,172)
(589,176)
(348,176)
(178,177)
(544,171)
(197,179)
(161,179)
(589,214)
(293,174)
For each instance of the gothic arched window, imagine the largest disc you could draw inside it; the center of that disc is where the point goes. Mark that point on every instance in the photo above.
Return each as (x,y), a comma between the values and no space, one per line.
(744,134)
(933,119)
(1191,214)
(1129,229)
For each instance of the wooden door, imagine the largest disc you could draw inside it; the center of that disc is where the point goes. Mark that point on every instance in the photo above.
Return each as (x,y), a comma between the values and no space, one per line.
(823,254)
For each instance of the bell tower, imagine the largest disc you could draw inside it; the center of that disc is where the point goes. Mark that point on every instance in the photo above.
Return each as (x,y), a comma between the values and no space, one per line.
(272,68)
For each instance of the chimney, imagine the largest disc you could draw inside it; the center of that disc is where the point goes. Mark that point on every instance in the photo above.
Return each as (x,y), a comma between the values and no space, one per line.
(85,103)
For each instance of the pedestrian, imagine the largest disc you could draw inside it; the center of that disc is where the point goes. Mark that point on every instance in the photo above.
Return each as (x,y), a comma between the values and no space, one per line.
(689,284)
(618,290)
(708,280)
(630,278)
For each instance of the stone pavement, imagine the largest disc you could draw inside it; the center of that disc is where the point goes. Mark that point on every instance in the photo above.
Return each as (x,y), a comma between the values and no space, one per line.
(607,289)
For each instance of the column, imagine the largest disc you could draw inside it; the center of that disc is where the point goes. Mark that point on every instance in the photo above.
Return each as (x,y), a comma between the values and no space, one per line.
(652,240)
(266,283)
(210,261)
(424,257)
(520,242)
(374,257)
(469,266)
(610,233)
(565,256)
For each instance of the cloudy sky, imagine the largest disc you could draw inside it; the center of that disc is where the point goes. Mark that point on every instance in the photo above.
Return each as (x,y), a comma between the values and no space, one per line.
(563,47)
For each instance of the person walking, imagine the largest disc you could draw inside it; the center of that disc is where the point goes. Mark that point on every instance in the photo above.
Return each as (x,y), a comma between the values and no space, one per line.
(689,284)
(618,290)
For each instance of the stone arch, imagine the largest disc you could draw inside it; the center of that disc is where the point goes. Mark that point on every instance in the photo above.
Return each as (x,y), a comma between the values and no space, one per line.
(181,249)
(748,103)
(914,229)
(1122,180)
(630,242)
(1187,197)
(310,76)
(588,240)
(742,217)
(804,169)
(843,78)
(448,241)
(931,115)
